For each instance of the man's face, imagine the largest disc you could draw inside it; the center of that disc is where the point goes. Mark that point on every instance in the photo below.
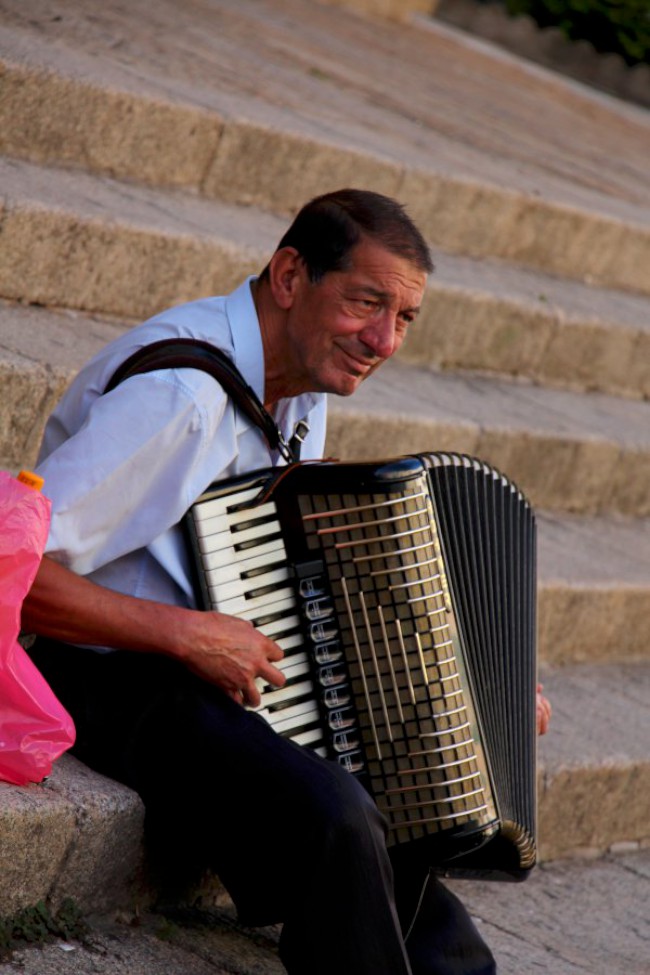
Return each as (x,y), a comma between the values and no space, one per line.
(343,327)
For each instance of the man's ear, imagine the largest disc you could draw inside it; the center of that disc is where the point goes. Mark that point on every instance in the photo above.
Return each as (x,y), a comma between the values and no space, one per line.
(286,271)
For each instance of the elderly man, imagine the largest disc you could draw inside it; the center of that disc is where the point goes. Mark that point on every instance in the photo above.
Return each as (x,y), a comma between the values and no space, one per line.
(155,686)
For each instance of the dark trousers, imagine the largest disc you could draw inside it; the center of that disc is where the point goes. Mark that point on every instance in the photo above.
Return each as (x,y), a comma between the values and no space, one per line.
(294,838)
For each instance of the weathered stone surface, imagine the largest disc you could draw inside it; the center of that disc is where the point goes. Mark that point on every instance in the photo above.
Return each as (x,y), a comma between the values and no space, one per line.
(629,484)
(37,829)
(29,393)
(568,918)
(390,9)
(72,121)
(522,229)
(127,271)
(464,329)
(565,451)
(295,168)
(104,864)
(71,239)
(593,624)
(594,575)
(77,835)
(358,435)
(594,764)
(476,183)
(590,808)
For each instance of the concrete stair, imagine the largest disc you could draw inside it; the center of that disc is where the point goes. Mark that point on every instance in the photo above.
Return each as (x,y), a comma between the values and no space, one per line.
(152,155)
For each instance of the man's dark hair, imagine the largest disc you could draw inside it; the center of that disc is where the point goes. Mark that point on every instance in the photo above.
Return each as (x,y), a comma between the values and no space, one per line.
(327,228)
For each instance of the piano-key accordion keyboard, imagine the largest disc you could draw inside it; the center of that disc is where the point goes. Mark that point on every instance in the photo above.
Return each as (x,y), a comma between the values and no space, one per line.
(403,594)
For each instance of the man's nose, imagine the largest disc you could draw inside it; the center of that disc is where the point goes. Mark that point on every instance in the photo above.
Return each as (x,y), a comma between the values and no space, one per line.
(380,335)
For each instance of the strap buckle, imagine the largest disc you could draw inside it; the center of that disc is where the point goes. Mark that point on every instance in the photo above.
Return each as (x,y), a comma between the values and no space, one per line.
(300,432)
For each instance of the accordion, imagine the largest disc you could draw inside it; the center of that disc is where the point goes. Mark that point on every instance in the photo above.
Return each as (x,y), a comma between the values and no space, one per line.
(403,594)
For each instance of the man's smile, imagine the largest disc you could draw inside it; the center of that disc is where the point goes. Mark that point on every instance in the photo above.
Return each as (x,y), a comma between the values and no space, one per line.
(359,364)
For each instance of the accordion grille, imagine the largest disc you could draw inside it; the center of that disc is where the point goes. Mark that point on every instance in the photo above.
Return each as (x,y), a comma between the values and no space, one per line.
(424,756)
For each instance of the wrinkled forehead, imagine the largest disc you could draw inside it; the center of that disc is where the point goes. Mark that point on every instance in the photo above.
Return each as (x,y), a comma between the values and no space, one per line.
(383,273)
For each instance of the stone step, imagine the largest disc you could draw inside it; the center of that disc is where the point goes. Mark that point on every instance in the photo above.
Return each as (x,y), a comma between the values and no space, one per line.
(79,834)
(571,916)
(73,240)
(40,351)
(492,317)
(584,453)
(76,240)
(261,104)
(594,765)
(594,589)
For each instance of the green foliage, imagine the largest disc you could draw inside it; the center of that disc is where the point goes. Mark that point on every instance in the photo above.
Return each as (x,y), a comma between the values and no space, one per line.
(35,925)
(166,930)
(619,26)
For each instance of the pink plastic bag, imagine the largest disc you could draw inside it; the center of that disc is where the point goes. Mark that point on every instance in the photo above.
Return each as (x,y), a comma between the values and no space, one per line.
(34,727)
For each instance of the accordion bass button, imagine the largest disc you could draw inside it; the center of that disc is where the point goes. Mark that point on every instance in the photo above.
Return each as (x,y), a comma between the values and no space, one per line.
(328,653)
(337,697)
(341,720)
(352,762)
(311,588)
(318,609)
(344,743)
(330,676)
(322,632)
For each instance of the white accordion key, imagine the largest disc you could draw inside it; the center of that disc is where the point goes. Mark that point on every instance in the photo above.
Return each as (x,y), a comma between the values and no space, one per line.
(294,666)
(275,628)
(222,567)
(292,716)
(213,517)
(287,693)
(289,643)
(283,600)
(243,588)
(312,737)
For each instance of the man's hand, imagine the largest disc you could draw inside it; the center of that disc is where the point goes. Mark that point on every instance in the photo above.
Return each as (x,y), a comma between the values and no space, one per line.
(543,711)
(224,650)
(231,653)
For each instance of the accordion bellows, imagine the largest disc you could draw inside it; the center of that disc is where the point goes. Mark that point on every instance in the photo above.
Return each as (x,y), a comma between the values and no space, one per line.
(403,594)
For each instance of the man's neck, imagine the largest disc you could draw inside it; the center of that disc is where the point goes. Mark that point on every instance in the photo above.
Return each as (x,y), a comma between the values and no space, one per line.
(276,354)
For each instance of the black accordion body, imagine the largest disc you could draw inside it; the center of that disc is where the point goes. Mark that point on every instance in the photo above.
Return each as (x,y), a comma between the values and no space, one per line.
(403,594)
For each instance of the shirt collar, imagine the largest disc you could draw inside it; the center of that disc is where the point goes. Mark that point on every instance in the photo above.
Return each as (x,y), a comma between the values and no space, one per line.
(249,357)
(246,335)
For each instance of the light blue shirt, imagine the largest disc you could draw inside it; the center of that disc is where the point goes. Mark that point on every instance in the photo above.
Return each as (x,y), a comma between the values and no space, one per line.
(122,469)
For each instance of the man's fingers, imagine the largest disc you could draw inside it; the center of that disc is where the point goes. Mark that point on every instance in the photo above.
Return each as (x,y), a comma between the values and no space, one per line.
(272,675)
(236,656)
(266,673)
(543,714)
(273,651)
(250,696)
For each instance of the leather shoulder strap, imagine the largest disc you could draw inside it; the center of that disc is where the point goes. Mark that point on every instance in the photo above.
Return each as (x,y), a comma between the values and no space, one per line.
(195,354)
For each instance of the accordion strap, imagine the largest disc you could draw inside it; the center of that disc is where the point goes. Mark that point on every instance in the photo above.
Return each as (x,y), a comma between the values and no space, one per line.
(195,354)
